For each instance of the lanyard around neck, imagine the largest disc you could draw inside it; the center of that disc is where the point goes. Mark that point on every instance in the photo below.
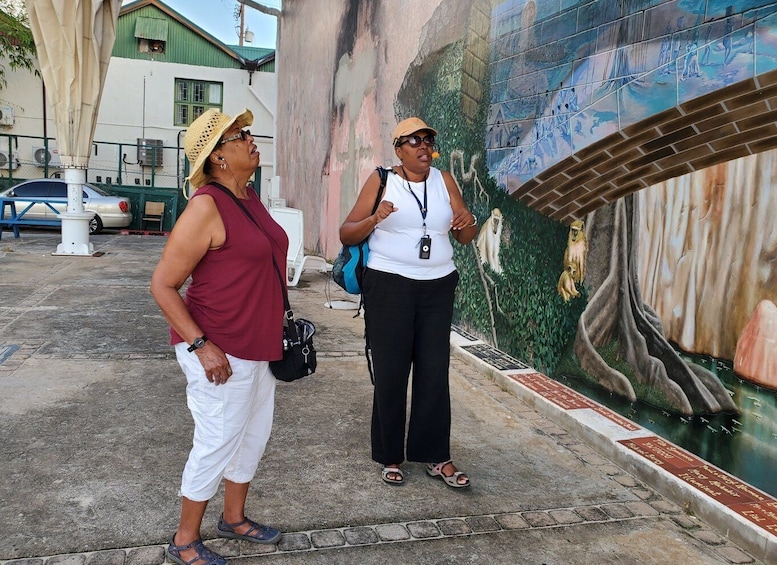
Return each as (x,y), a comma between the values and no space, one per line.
(422,207)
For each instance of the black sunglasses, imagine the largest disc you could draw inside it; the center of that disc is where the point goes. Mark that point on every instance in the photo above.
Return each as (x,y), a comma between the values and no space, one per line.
(416,140)
(242,134)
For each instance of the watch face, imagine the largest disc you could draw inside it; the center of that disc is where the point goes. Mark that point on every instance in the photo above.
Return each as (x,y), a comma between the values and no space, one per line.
(199,342)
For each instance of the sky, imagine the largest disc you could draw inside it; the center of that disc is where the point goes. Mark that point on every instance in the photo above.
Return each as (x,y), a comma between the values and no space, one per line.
(217,18)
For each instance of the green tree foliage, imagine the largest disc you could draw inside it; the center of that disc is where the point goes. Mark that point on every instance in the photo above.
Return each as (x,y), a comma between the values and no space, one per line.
(17,48)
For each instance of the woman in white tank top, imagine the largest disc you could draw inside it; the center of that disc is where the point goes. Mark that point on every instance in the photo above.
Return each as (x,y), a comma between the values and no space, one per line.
(408,291)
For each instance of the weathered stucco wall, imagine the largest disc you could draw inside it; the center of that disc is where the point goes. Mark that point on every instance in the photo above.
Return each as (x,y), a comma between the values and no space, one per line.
(341,64)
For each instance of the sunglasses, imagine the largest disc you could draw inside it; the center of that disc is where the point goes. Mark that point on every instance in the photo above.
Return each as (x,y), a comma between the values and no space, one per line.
(242,134)
(416,140)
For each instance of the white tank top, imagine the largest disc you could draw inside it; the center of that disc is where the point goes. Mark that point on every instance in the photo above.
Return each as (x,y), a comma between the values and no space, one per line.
(394,245)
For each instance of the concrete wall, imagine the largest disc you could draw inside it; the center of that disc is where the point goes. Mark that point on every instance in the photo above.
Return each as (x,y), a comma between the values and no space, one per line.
(338,82)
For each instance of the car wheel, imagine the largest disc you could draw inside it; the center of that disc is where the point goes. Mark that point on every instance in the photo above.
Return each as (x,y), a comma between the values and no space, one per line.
(95,225)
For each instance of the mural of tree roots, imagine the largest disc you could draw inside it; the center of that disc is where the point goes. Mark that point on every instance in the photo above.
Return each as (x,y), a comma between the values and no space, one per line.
(616,312)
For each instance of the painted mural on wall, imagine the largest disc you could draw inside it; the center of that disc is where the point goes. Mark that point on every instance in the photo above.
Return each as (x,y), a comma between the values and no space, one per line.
(511,89)
(506,272)
(563,80)
(679,321)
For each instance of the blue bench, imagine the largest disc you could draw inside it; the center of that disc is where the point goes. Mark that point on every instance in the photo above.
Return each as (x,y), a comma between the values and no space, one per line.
(16,219)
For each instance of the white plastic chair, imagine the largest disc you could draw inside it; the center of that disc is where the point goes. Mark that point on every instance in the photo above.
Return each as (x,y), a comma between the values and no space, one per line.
(290,219)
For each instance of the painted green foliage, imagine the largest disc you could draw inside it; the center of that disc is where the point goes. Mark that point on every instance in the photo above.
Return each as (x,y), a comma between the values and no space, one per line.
(531,321)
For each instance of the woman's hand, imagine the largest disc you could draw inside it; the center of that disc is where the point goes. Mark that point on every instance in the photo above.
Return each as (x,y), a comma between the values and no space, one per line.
(463,219)
(464,225)
(360,221)
(215,363)
(385,209)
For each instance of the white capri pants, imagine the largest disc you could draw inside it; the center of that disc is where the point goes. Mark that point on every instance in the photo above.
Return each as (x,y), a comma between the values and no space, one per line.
(232,423)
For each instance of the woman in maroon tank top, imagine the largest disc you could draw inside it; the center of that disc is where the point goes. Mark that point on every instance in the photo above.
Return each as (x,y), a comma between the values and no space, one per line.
(225,330)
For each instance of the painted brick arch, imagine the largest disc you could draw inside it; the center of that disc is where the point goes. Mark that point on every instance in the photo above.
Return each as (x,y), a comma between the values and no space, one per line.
(730,123)
(593,101)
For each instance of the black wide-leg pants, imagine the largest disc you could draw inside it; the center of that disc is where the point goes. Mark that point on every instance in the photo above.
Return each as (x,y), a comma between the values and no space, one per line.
(408,325)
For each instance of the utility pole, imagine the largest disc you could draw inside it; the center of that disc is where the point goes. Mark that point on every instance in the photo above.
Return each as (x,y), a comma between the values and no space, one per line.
(242,22)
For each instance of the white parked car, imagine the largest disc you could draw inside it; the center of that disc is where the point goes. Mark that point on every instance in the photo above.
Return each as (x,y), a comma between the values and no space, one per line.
(109,211)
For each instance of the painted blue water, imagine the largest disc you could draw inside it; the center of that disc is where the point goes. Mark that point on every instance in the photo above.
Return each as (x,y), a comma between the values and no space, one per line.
(744,445)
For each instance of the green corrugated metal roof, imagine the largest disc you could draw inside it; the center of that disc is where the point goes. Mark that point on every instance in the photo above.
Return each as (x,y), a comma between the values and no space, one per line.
(257,54)
(151,28)
(186,43)
(251,53)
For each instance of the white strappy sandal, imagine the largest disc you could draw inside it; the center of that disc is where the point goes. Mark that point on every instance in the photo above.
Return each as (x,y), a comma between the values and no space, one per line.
(398,475)
(435,470)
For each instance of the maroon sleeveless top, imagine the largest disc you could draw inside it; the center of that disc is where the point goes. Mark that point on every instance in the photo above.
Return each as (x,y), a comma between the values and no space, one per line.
(235,293)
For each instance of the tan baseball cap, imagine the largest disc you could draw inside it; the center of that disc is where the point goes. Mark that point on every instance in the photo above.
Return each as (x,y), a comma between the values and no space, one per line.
(409,127)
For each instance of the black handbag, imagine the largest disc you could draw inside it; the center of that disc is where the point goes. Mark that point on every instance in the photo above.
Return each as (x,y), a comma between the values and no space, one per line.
(299,354)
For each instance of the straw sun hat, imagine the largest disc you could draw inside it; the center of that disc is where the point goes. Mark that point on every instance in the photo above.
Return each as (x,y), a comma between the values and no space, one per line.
(202,137)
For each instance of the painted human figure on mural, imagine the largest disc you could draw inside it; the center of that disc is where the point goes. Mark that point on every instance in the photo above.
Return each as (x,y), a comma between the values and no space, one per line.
(676,46)
(665,53)
(537,153)
(515,135)
(562,121)
(705,57)
(691,67)
(511,166)
(727,36)
(547,137)
(516,163)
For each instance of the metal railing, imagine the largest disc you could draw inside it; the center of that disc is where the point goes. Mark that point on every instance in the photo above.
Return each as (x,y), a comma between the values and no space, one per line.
(27,157)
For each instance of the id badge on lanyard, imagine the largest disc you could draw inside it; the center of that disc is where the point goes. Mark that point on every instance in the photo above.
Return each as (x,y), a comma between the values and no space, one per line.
(425,243)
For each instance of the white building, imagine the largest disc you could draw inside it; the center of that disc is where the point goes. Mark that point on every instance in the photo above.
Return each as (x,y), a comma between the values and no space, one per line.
(164,72)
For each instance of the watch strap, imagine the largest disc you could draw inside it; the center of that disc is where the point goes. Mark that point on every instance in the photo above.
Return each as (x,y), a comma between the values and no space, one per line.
(198,343)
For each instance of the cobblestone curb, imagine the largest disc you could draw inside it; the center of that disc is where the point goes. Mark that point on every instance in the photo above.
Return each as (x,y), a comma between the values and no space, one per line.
(403,532)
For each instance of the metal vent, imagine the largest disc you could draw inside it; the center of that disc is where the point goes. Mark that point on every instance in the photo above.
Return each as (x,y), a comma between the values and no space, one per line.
(150,152)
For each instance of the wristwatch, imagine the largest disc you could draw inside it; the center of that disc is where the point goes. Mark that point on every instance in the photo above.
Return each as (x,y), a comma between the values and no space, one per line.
(198,344)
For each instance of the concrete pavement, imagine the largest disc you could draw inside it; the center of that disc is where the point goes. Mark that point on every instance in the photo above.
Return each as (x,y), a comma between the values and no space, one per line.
(94,432)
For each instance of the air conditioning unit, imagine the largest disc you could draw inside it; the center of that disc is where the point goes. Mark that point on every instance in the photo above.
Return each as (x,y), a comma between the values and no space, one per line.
(41,157)
(150,152)
(6,116)
(6,162)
